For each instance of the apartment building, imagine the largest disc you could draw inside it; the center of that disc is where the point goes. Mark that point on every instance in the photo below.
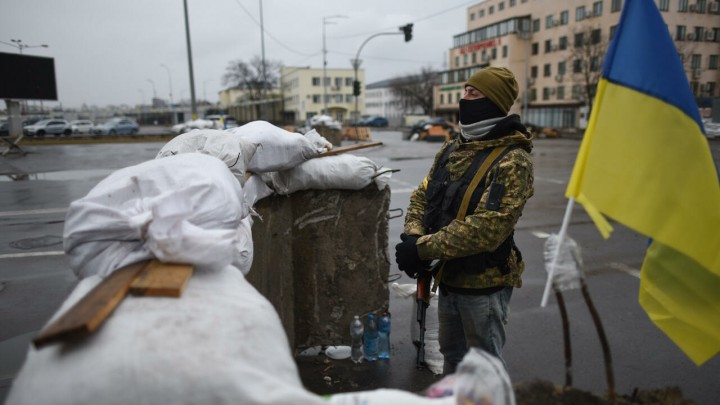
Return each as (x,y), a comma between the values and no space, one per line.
(380,100)
(305,96)
(556,48)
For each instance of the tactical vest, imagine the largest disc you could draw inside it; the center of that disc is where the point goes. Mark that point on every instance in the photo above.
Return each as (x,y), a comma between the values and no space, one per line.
(444,199)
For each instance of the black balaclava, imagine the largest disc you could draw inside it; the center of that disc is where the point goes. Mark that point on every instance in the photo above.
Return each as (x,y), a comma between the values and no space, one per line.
(472,111)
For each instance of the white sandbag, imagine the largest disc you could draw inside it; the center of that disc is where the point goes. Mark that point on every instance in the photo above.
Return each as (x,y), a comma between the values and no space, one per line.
(255,189)
(386,396)
(339,172)
(185,208)
(433,358)
(213,142)
(221,342)
(267,148)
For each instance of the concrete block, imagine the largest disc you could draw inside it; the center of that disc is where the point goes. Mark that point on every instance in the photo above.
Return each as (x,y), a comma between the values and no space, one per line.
(320,257)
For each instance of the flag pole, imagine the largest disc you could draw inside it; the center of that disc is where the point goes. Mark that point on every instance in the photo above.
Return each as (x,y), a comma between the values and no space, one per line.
(561,236)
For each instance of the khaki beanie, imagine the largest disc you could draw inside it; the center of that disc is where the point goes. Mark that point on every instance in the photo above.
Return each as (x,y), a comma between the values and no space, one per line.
(497,84)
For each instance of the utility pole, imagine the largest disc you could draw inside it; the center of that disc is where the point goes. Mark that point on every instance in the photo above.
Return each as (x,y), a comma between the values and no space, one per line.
(190,63)
(324,50)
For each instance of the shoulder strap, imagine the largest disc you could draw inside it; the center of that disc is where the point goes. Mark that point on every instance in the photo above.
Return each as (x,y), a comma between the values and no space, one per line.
(482,171)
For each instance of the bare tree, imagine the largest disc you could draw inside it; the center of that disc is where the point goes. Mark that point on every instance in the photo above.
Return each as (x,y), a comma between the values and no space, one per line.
(587,52)
(415,90)
(248,76)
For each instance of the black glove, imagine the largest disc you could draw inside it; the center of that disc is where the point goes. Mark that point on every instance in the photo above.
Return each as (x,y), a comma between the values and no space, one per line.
(407,257)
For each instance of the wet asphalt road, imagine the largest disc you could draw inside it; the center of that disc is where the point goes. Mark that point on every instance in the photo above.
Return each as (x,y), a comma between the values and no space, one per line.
(35,276)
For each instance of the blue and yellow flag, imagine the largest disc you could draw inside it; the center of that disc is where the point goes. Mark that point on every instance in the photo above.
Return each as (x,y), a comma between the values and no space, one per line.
(645,162)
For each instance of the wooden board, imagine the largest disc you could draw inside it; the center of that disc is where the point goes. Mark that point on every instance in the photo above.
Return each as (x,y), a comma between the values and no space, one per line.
(88,314)
(162,280)
(343,149)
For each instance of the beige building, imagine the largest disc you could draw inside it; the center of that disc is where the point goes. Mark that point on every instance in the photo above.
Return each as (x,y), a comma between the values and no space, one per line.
(303,93)
(553,46)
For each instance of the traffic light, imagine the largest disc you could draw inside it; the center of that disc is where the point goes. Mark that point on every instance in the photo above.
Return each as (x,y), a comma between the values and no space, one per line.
(407,30)
(356,88)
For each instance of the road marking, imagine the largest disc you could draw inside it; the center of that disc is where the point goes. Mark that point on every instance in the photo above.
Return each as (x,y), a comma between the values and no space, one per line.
(32,254)
(33,212)
(625,269)
(540,235)
(401,190)
(549,180)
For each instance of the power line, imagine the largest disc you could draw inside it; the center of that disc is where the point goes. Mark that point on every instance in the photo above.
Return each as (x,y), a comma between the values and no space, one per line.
(387,59)
(427,17)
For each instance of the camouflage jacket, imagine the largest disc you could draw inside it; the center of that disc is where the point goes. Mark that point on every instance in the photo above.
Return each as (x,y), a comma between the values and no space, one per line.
(482,230)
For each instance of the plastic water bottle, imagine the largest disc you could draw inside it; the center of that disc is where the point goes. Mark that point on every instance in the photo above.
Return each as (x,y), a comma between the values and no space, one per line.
(356,333)
(370,339)
(384,336)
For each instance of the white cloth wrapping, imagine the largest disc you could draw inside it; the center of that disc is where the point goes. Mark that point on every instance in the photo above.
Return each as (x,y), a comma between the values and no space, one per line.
(186,208)
(220,343)
(267,148)
(220,144)
(343,172)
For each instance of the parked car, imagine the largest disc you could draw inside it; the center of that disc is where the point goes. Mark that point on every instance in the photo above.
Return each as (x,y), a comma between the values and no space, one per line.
(116,126)
(374,121)
(209,122)
(46,127)
(81,126)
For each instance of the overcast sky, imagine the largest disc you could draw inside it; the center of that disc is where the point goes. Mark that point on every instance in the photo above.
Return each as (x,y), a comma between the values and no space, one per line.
(112,52)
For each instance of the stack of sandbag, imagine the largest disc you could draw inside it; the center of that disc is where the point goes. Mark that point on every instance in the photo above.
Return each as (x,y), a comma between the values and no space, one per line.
(220,342)
(285,160)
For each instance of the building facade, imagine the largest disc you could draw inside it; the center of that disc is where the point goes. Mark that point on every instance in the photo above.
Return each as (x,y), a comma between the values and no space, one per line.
(380,101)
(304,94)
(555,49)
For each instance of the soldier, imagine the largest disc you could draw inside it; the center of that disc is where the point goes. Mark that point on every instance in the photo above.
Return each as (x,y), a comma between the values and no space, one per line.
(464,214)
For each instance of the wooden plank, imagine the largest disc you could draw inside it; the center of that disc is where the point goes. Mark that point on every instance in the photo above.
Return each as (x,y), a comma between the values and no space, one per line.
(349,148)
(88,314)
(162,280)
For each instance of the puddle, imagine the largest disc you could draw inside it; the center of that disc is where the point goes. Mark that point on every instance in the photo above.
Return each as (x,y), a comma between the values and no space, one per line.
(63,175)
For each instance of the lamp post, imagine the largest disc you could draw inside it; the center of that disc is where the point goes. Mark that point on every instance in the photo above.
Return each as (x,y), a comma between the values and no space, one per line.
(324,50)
(172,113)
(190,63)
(18,43)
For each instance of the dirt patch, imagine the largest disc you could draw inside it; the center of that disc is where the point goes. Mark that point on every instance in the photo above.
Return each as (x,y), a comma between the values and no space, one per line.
(547,393)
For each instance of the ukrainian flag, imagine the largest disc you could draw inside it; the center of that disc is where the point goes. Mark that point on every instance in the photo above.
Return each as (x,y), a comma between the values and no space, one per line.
(645,162)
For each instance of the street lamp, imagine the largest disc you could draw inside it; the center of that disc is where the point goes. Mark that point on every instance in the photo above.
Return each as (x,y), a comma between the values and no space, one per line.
(18,43)
(324,83)
(172,112)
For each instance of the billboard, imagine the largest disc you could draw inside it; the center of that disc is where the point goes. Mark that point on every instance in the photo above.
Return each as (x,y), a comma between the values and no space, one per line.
(27,77)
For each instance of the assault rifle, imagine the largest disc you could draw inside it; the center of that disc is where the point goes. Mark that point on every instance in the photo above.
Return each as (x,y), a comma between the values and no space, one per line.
(422,297)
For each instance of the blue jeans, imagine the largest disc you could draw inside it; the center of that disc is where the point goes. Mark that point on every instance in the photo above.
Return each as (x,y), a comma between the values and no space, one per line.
(472,321)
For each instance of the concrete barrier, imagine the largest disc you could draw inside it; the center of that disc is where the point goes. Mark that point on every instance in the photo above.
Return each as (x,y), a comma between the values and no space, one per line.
(320,257)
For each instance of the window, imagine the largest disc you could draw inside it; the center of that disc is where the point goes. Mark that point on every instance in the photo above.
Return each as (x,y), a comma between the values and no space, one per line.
(696,61)
(472,16)
(577,66)
(315,81)
(535,47)
(564,17)
(562,66)
(612,31)
(504,51)
(597,8)
(546,93)
(474,58)
(615,6)
(465,60)
(348,81)
(563,42)
(481,13)
(595,36)
(533,94)
(533,71)
(442,98)
(491,9)
(494,53)
(664,5)
(580,13)
(699,32)
(680,32)
(512,3)
(536,25)
(316,97)
(579,40)
(713,62)
(547,70)
(548,45)
(501,6)
(348,98)
(560,95)
(710,89)
(595,63)
(683,5)
(457,61)
(338,82)
(549,21)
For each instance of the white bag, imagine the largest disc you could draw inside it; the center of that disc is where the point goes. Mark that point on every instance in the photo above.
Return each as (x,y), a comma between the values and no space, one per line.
(216,143)
(267,148)
(340,172)
(221,342)
(185,208)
